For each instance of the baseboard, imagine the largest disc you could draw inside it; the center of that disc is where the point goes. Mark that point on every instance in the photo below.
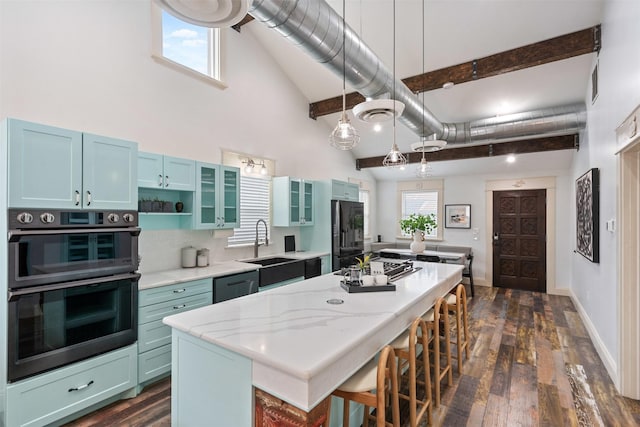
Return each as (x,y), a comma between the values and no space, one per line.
(609,363)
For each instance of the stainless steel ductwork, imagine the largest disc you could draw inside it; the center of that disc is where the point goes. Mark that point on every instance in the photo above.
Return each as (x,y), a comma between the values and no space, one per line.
(317,29)
(562,120)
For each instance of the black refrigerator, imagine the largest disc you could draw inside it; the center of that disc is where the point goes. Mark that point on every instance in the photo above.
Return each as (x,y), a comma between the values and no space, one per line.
(347,233)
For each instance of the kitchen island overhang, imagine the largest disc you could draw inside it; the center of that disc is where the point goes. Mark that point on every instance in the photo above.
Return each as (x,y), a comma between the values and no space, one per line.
(298,347)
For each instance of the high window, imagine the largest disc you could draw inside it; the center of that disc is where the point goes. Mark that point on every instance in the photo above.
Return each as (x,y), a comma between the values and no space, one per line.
(421,197)
(186,47)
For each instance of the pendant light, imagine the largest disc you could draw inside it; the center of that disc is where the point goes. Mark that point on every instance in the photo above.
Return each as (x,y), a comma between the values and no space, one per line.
(423,170)
(344,136)
(395,158)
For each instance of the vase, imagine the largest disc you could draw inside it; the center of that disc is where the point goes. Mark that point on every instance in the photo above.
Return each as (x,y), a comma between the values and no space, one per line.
(418,245)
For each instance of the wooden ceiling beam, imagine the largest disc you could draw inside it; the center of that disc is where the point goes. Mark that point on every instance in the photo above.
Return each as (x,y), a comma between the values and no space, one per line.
(247,18)
(535,145)
(555,49)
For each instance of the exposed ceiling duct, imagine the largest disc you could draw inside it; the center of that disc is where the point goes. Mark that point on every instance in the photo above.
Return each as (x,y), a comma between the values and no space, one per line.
(315,27)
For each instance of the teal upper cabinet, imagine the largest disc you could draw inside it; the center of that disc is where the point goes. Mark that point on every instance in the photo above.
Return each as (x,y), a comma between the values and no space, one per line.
(109,170)
(217,196)
(293,202)
(165,172)
(57,168)
(341,190)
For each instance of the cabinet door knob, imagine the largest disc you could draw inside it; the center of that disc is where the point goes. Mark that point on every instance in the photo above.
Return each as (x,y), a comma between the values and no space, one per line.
(159,180)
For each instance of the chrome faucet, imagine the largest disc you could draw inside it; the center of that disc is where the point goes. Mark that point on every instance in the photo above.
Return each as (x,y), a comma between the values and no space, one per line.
(266,239)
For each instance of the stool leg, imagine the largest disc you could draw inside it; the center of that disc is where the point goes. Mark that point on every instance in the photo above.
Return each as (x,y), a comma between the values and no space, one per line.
(345,412)
(436,356)
(465,323)
(447,340)
(459,342)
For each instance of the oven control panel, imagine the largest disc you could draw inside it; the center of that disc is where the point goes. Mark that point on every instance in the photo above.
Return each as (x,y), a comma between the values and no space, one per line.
(42,219)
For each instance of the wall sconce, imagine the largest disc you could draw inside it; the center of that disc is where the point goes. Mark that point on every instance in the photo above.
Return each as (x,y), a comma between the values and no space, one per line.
(251,166)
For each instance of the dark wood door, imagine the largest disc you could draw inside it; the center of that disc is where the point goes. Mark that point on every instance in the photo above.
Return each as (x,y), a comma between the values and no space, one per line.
(519,240)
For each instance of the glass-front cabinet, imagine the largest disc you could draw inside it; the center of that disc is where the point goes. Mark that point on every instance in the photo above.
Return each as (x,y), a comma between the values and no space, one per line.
(217,196)
(292,202)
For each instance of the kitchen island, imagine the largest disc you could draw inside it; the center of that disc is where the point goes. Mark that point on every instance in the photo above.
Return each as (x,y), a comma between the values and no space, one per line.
(295,343)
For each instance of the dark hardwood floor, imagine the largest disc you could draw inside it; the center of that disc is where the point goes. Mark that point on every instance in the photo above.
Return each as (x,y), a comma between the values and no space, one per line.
(532,364)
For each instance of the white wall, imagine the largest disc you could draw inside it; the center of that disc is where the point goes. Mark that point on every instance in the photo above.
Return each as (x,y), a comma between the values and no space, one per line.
(596,285)
(87,65)
(470,189)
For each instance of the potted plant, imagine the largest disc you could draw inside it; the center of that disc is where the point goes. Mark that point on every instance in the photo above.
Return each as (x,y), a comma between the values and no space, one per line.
(364,262)
(418,225)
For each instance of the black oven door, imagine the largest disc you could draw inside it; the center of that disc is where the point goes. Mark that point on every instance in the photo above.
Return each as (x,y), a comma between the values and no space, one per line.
(38,257)
(54,325)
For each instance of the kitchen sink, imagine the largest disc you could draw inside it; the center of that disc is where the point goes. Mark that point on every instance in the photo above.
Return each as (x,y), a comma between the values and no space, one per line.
(278,269)
(271,260)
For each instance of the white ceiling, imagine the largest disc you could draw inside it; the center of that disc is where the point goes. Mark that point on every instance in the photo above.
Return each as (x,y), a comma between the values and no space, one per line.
(456,31)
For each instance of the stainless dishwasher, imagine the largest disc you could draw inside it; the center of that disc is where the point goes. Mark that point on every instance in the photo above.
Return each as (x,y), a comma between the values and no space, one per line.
(234,286)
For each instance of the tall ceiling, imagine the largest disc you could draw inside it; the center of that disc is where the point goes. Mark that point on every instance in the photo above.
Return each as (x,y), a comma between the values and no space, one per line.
(456,31)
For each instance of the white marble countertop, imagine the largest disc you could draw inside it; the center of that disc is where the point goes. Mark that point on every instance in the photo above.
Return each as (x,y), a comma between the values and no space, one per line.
(215,269)
(301,347)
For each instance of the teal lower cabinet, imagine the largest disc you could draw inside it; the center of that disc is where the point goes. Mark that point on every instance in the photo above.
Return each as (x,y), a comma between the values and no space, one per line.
(53,396)
(220,395)
(154,337)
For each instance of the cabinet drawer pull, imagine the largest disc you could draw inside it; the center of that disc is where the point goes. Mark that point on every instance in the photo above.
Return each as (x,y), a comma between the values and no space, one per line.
(177,307)
(166,180)
(88,197)
(179,291)
(80,387)
(77,197)
(159,180)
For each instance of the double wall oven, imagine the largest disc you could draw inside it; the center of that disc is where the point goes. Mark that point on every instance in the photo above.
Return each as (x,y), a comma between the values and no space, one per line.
(73,286)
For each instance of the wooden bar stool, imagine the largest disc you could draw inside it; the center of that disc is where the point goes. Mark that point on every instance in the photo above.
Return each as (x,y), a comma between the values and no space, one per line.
(457,304)
(405,349)
(379,376)
(434,319)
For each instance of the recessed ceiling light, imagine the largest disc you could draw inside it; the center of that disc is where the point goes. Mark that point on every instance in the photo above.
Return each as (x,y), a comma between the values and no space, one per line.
(377,127)
(511,158)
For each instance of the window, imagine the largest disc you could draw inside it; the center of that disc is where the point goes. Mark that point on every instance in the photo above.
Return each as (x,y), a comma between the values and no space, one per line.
(255,196)
(364,198)
(424,197)
(186,47)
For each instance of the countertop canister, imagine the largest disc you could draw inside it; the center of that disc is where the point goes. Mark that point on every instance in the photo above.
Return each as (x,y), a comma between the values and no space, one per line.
(203,257)
(189,257)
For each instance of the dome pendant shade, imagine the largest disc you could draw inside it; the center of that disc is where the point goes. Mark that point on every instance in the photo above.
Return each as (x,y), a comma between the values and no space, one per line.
(344,136)
(207,13)
(378,110)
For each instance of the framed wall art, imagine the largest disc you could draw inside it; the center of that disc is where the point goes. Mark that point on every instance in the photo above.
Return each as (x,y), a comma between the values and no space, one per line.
(457,216)
(587,215)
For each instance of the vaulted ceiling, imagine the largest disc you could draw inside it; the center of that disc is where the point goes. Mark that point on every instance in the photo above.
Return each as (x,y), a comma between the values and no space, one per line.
(504,56)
